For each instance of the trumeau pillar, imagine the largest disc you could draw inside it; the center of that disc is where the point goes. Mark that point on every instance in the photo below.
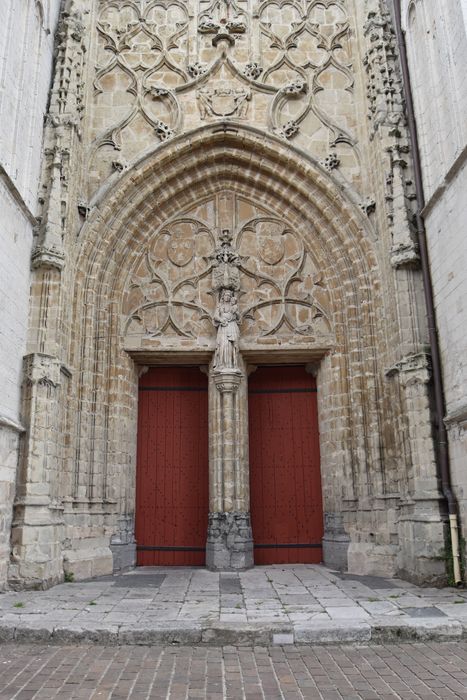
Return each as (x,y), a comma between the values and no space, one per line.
(230,541)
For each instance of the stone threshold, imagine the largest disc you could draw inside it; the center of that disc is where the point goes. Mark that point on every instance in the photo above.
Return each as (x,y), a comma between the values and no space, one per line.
(247,635)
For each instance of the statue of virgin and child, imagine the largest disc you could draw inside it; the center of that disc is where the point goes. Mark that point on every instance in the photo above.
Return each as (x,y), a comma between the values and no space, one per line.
(226,320)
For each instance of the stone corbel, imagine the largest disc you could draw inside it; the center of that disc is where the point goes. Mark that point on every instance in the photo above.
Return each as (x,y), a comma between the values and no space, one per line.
(457,419)
(44,257)
(413,369)
(405,255)
(41,369)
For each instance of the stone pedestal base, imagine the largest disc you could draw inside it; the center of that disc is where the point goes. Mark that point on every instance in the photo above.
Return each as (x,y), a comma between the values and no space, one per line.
(335,542)
(124,556)
(423,533)
(36,546)
(230,542)
(123,545)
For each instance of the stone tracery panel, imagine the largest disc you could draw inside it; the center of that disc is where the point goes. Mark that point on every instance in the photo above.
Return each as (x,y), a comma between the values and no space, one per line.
(163,67)
(172,294)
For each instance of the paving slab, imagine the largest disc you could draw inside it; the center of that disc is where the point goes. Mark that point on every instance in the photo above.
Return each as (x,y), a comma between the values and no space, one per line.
(282,604)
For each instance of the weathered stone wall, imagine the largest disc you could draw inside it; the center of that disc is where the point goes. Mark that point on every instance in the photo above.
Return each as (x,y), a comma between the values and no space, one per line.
(436,35)
(282,122)
(26,46)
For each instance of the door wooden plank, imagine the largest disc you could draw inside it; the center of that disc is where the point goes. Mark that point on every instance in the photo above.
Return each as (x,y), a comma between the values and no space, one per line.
(285,479)
(172,467)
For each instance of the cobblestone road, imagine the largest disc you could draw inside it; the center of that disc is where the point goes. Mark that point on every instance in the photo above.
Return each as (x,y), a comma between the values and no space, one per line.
(409,671)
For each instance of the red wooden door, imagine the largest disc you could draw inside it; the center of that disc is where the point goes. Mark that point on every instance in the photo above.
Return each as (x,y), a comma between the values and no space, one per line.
(285,479)
(172,489)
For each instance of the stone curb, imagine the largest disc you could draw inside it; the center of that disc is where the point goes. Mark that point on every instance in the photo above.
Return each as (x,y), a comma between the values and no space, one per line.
(227,634)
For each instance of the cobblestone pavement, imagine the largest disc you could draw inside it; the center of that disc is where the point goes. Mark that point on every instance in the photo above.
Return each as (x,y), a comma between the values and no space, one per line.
(410,672)
(273,604)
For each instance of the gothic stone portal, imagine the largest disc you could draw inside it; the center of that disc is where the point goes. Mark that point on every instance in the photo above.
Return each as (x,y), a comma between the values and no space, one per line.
(227,279)
(169,123)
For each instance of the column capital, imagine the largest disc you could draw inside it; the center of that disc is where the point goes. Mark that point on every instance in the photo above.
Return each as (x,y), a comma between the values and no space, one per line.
(227,381)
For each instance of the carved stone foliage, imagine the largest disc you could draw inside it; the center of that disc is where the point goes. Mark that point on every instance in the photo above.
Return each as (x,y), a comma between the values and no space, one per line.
(279,65)
(177,294)
(63,131)
(223,16)
(384,85)
(388,129)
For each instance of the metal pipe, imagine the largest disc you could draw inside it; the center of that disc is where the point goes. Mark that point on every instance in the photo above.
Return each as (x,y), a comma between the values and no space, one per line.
(438,390)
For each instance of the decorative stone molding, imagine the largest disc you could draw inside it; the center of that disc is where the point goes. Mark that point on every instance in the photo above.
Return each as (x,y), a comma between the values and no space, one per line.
(179,280)
(224,62)
(223,101)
